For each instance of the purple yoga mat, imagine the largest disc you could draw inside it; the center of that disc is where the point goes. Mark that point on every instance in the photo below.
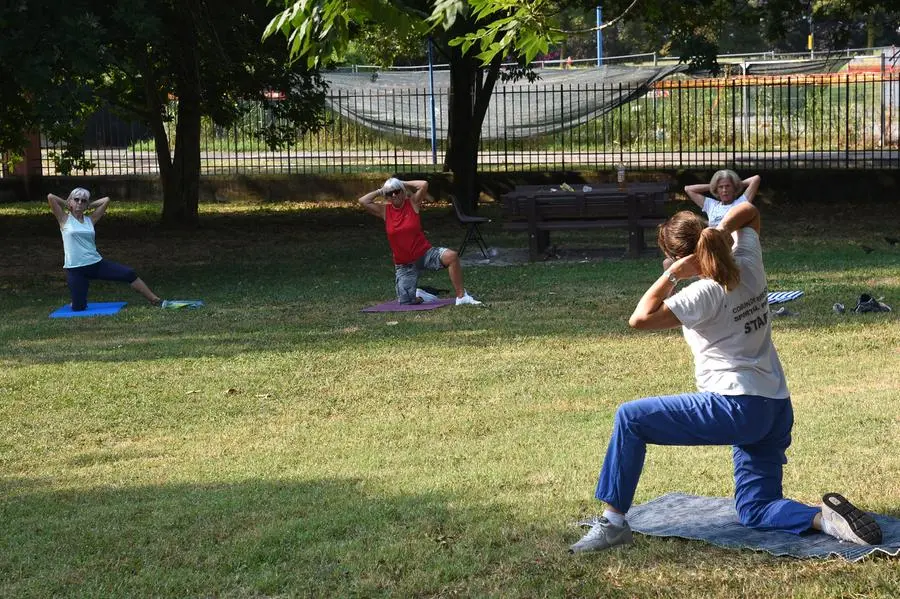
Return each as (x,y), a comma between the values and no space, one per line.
(395,306)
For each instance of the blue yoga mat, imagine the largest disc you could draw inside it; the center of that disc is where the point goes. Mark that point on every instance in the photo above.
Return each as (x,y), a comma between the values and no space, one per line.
(93,309)
(714,520)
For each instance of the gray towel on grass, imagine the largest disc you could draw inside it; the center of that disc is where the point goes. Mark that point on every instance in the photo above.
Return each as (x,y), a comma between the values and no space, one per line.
(714,520)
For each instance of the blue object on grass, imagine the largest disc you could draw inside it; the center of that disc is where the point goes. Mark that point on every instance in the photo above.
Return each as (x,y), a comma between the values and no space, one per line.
(182,304)
(779,297)
(714,520)
(93,309)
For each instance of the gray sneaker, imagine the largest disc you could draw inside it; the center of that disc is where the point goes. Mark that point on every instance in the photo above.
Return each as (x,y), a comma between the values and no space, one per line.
(603,535)
(847,522)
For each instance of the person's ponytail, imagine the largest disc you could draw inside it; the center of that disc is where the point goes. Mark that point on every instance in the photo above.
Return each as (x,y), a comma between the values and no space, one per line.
(715,259)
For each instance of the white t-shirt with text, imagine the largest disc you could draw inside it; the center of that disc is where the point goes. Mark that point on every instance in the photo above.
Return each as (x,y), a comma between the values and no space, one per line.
(716,210)
(730,334)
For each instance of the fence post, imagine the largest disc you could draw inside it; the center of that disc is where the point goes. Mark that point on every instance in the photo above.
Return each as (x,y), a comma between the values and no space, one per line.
(680,129)
(847,121)
(431,93)
(789,122)
(562,114)
(881,140)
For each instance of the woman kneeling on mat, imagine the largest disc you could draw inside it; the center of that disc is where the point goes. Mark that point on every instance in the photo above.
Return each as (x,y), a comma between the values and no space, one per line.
(742,397)
(411,250)
(82,260)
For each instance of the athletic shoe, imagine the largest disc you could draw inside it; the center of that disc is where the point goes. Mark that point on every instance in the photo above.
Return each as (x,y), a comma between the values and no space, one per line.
(603,535)
(426,297)
(867,303)
(843,520)
(467,300)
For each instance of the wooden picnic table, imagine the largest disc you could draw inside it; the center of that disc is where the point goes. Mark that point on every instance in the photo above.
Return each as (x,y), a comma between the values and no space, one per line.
(540,209)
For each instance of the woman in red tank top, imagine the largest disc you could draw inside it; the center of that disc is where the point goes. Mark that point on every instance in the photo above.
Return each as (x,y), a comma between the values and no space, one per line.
(411,250)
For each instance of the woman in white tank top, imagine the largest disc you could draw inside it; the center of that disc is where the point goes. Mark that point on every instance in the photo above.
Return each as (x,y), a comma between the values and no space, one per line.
(82,261)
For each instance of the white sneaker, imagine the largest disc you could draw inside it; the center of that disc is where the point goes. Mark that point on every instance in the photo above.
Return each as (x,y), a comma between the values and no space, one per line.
(467,300)
(845,521)
(603,535)
(427,298)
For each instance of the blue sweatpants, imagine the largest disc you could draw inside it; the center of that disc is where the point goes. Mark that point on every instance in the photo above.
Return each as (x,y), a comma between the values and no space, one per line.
(105,270)
(758,428)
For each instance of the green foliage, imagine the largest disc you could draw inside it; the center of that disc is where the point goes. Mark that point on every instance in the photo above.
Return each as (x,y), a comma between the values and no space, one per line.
(64,59)
(319,31)
(377,44)
(47,55)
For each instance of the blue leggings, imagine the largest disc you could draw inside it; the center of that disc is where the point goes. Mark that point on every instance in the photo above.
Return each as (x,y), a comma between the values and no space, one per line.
(105,270)
(758,428)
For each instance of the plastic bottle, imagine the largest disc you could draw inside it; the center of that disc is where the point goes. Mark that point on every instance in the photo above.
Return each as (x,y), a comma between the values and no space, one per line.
(620,176)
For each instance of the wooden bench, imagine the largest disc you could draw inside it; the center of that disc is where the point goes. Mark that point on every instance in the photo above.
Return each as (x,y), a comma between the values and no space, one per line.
(538,210)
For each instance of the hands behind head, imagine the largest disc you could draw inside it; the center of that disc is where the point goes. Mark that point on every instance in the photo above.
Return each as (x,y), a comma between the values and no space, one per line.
(685,268)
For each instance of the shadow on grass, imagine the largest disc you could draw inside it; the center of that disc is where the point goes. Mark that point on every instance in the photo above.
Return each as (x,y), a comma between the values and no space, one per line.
(329,538)
(321,538)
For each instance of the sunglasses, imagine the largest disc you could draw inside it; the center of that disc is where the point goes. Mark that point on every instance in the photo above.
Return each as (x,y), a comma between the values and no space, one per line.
(80,200)
(391,194)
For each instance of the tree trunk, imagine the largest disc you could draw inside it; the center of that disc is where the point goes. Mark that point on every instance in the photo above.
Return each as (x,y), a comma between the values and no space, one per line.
(164,160)
(181,209)
(870,31)
(153,112)
(181,196)
(470,95)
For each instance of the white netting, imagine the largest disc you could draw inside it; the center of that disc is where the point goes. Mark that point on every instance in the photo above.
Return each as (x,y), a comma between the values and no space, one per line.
(400,102)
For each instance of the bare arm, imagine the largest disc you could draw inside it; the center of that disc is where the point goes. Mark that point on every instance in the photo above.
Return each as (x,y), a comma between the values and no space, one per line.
(58,208)
(742,215)
(697,193)
(651,312)
(420,193)
(99,207)
(368,202)
(751,186)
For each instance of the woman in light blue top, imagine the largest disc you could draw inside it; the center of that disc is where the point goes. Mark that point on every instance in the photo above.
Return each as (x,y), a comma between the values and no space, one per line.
(82,260)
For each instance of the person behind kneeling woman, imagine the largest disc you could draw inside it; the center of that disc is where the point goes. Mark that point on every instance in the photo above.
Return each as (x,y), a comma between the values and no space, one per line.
(411,250)
(742,397)
(82,261)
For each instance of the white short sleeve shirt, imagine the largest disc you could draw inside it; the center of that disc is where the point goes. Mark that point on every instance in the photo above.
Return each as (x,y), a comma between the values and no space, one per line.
(730,334)
(716,210)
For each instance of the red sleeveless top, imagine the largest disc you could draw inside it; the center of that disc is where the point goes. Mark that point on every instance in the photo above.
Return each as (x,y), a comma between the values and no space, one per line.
(404,233)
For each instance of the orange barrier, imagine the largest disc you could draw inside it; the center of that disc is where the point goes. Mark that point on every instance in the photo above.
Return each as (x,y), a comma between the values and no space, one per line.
(753,80)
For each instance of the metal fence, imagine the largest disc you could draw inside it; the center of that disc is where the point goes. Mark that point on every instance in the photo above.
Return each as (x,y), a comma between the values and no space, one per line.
(848,120)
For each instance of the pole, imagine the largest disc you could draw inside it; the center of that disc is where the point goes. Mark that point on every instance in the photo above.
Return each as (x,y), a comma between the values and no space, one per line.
(431,93)
(599,37)
(809,40)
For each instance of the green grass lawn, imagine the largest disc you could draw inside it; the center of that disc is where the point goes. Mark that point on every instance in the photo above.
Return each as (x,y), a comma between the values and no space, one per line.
(279,443)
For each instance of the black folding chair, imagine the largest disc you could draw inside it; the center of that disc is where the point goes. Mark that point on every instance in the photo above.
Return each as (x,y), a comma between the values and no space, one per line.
(472,232)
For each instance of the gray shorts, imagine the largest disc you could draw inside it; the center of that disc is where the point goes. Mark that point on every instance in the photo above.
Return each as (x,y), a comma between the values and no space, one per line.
(408,274)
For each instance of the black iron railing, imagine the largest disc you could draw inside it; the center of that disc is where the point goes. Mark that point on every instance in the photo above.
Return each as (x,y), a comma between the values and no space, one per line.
(798,121)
